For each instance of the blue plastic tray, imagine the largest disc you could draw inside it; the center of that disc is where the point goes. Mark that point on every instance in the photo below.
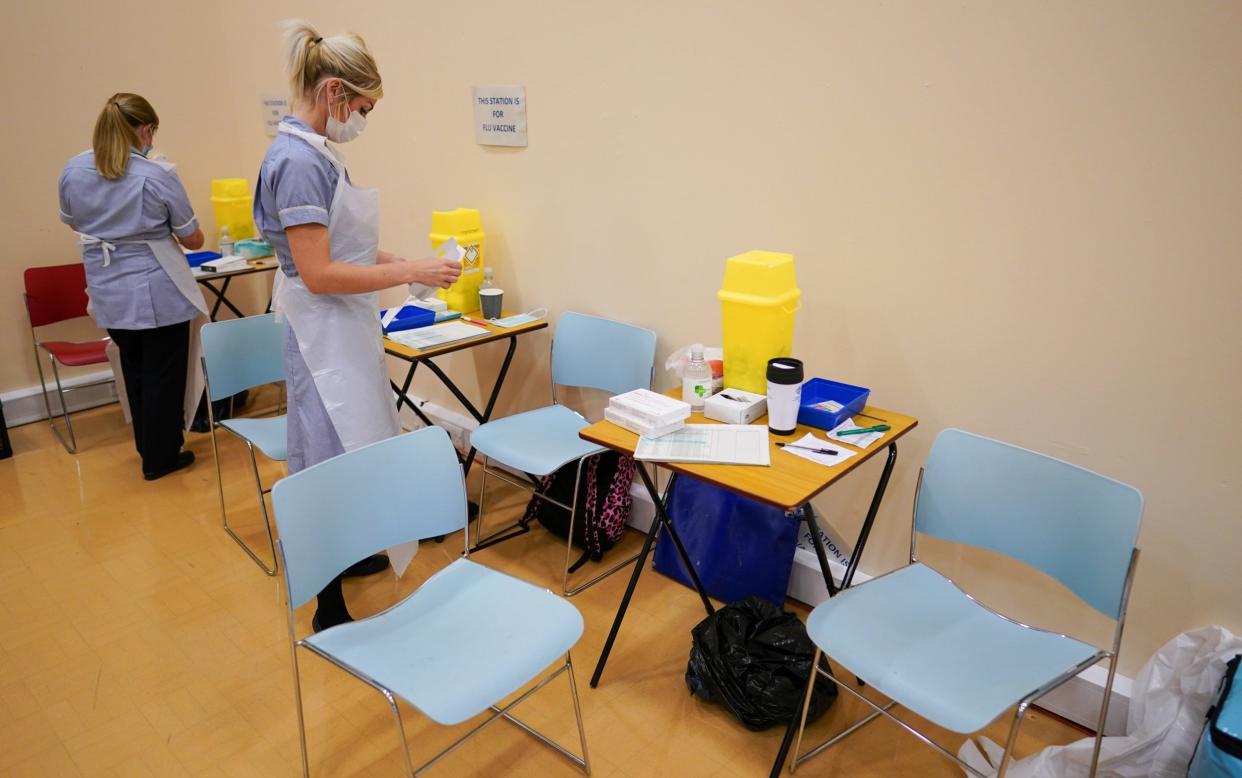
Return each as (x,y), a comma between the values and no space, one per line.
(199,257)
(410,317)
(817,390)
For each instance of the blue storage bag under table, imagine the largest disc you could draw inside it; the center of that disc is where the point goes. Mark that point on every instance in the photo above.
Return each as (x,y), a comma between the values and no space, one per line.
(740,547)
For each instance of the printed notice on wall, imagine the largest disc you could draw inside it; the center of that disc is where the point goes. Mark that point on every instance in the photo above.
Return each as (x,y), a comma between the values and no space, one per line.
(500,115)
(275,106)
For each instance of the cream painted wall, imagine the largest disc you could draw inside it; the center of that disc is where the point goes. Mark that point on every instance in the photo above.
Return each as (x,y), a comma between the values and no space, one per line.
(63,61)
(1017,219)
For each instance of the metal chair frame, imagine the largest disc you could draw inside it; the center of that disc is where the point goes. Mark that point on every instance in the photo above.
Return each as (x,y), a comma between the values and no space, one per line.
(583,762)
(71,444)
(513,530)
(258,482)
(1021,704)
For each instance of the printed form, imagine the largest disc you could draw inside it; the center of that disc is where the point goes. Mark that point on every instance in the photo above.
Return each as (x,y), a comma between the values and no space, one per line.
(723,444)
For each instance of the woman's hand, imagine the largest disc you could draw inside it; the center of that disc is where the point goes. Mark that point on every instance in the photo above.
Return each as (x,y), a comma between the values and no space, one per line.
(433,271)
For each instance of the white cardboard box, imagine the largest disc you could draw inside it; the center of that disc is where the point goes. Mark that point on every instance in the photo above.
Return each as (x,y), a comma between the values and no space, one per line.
(653,410)
(637,426)
(734,406)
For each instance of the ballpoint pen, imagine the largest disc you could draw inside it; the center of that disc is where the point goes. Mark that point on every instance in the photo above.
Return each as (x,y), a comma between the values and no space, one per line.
(474,321)
(864,430)
(827,451)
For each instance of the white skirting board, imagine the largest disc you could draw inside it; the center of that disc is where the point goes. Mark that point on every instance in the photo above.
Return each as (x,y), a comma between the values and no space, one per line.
(1077,700)
(22,406)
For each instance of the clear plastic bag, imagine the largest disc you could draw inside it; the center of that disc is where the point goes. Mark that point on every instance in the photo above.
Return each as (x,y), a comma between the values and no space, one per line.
(678,359)
(1169,703)
(713,355)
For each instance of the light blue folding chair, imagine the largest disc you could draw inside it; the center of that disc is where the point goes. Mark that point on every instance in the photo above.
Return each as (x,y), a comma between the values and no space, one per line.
(926,645)
(241,354)
(587,352)
(459,644)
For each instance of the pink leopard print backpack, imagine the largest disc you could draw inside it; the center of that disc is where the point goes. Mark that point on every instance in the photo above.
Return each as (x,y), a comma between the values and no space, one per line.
(604,503)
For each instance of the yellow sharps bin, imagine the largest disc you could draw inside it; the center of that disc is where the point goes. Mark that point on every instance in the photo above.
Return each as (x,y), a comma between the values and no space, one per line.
(758,301)
(464,225)
(230,198)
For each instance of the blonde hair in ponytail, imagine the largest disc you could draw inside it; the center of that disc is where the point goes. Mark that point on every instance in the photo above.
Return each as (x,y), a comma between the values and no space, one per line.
(313,58)
(116,131)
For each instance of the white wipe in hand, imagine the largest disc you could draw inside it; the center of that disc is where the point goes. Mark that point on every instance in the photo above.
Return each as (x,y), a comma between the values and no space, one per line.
(392,312)
(451,250)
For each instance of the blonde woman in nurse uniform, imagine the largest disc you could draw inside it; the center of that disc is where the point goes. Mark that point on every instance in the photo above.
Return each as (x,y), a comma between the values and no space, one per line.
(130,214)
(325,231)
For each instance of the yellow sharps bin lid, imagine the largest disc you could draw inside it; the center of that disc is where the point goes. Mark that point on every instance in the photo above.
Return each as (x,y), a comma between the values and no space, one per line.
(760,278)
(460,221)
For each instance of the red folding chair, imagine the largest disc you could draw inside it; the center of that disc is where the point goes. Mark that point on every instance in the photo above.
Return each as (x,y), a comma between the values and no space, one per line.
(55,294)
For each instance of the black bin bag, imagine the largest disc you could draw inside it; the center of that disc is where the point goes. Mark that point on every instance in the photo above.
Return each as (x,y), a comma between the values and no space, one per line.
(754,659)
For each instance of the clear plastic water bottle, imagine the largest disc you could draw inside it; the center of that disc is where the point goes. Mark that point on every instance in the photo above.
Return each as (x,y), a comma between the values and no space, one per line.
(696,379)
(226,242)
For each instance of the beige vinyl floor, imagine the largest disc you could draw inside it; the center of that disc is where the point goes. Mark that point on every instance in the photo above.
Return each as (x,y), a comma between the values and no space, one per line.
(137,640)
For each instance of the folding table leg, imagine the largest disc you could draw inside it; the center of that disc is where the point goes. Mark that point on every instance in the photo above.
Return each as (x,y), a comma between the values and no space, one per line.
(222,299)
(783,753)
(661,519)
(403,394)
(486,415)
(403,397)
(865,532)
(808,515)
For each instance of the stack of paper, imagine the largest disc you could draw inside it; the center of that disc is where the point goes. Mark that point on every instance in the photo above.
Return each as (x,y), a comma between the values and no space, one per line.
(437,335)
(646,413)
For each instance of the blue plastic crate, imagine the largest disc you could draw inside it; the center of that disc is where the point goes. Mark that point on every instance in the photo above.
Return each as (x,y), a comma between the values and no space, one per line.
(410,317)
(852,398)
(199,257)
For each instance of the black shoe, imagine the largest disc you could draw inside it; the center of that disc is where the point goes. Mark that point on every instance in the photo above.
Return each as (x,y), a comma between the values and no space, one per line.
(369,566)
(184,460)
(318,626)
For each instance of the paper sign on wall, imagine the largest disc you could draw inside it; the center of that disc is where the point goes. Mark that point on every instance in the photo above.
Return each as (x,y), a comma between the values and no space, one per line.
(500,115)
(274,109)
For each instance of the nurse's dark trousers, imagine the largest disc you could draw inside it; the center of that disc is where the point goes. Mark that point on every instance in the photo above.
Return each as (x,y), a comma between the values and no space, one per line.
(153,362)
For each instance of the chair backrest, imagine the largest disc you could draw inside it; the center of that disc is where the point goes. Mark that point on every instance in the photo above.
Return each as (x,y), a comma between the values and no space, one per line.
(588,351)
(241,353)
(55,293)
(1075,525)
(346,508)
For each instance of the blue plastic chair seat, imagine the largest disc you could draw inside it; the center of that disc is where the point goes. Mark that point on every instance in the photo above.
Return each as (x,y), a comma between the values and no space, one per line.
(536,442)
(466,638)
(918,639)
(269,435)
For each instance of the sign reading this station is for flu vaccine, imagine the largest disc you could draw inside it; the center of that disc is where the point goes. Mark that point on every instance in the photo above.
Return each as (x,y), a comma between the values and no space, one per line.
(500,115)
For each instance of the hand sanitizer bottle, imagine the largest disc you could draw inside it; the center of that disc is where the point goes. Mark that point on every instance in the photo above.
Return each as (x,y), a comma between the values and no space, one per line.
(226,241)
(696,379)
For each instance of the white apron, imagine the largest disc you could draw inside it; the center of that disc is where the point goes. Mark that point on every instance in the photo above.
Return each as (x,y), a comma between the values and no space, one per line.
(172,261)
(339,335)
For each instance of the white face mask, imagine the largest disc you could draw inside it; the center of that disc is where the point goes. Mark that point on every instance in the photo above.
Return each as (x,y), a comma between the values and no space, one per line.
(521,318)
(344,132)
